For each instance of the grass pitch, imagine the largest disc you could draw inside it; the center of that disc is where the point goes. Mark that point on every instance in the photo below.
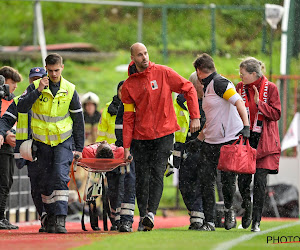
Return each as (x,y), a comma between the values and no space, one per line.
(272,233)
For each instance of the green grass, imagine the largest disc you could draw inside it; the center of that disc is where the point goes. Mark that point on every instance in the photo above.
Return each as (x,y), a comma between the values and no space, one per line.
(181,238)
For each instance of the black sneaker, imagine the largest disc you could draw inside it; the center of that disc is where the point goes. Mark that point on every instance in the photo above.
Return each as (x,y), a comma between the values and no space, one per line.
(207,227)
(115,226)
(148,223)
(246,219)
(230,221)
(126,227)
(195,226)
(141,227)
(5,224)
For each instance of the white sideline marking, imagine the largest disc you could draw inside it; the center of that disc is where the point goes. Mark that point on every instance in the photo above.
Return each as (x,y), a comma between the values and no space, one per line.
(232,243)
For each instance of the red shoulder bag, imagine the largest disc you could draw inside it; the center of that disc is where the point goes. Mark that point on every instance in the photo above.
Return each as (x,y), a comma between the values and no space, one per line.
(238,158)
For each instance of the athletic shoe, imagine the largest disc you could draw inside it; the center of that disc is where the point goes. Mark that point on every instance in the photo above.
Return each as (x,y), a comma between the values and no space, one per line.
(5,224)
(126,226)
(195,226)
(141,227)
(246,219)
(148,223)
(207,227)
(230,221)
(255,227)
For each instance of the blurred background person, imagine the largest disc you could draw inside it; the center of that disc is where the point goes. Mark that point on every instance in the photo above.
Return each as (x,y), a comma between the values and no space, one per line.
(11,77)
(106,127)
(90,102)
(263,105)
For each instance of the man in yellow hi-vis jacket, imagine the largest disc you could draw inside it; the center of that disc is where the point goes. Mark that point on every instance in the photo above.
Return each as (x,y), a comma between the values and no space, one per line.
(57,120)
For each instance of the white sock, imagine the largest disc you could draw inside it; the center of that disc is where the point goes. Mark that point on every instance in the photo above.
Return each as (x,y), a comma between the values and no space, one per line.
(151,215)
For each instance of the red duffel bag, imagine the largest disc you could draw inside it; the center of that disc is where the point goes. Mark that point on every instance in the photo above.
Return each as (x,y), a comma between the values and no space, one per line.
(238,158)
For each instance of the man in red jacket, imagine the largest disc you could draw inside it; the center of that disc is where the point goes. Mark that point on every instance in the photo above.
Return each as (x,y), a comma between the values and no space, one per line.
(149,124)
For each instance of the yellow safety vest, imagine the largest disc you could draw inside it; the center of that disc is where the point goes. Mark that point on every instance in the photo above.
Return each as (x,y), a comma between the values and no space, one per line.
(22,124)
(106,127)
(183,120)
(51,122)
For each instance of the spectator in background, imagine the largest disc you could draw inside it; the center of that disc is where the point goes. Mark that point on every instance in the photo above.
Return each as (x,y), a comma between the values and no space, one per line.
(90,102)
(263,105)
(7,143)
(226,118)
(149,123)
(106,127)
(23,133)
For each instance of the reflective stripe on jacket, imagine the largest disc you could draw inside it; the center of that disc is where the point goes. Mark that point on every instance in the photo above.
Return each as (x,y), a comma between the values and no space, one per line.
(22,124)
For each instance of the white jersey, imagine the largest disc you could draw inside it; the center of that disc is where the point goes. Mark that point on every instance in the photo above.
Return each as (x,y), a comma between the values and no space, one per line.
(223,121)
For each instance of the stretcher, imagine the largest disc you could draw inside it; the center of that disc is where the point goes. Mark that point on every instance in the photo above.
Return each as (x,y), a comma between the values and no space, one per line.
(99,167)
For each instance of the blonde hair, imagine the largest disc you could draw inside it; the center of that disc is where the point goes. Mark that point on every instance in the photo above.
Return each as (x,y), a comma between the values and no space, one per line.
(193,78)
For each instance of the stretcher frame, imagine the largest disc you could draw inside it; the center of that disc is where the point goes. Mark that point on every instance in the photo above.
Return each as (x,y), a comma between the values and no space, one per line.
(101,166)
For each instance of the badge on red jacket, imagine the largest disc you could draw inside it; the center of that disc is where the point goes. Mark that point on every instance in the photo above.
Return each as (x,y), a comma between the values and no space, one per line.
(154,85)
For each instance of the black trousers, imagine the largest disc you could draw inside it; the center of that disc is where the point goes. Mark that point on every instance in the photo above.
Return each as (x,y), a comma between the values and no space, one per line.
(207,172)
(151,157)
(188,177)
(259,191)
(7,165)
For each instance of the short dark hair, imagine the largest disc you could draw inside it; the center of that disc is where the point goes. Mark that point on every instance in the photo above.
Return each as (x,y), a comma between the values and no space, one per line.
(205,63)
(11,73)
(105,152)
(53,59)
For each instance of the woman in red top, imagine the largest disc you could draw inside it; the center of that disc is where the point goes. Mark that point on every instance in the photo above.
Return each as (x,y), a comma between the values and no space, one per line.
(264,110)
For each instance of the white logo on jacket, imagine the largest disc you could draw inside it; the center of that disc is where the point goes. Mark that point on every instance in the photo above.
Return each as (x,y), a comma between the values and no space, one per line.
(154,85)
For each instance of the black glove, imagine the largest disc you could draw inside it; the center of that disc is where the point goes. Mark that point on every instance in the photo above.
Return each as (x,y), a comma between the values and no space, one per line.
(193,145)
(245,132)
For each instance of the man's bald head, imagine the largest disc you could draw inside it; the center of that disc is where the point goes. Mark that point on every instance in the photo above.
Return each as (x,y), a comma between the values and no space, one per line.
(139,55)
(136,46)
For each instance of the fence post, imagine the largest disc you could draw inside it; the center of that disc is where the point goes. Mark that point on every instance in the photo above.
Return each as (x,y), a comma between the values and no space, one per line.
(140,24)
(165,33)
(213,28)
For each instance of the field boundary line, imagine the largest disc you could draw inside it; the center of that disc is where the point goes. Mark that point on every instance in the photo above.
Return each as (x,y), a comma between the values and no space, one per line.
(229,244)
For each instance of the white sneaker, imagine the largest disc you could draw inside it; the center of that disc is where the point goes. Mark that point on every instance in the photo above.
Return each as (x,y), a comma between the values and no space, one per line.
(255,227)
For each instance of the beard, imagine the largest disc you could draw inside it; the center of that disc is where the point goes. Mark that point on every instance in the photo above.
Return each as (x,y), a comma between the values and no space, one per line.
(143,65)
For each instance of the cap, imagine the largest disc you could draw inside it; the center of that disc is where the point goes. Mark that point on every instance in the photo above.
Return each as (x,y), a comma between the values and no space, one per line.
(37,71)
